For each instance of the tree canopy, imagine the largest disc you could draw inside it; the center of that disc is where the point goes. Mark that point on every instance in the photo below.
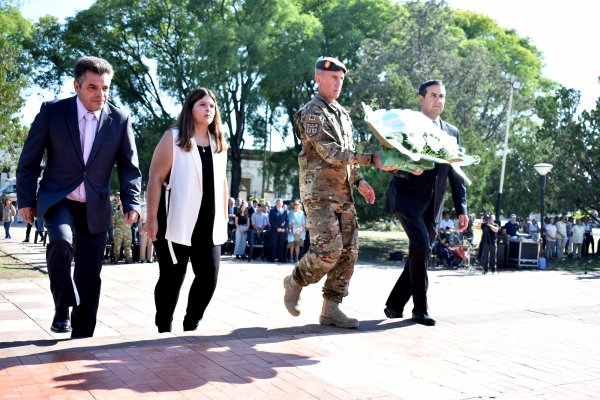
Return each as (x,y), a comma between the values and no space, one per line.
(14,64)
(258,56)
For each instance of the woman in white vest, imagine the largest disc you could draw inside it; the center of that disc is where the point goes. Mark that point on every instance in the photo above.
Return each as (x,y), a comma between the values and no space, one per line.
(187,208)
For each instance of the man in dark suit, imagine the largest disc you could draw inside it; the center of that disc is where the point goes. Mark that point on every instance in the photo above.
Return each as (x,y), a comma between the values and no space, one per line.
(417,198)
(278,226)
(83,136)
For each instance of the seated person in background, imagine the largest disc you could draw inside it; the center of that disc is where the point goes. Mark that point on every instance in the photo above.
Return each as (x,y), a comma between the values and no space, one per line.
(511,227)
(252,207)
(446,221)
(260,226)
(468,237)
(241,229)
(445,250)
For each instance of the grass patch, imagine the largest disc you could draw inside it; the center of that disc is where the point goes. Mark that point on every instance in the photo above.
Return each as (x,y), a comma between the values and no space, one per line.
(591,263)
(376,246)
(11,268)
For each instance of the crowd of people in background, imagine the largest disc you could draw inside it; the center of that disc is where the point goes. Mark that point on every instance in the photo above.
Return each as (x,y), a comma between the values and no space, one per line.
(569,237)
(124,241)
(272,232)
(560,237)
(277,233)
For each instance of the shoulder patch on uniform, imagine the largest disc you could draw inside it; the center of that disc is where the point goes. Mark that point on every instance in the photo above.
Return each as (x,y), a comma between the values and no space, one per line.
(312,128)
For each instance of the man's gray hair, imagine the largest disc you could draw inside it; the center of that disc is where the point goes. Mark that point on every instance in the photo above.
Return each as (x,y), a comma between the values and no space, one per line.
(95,64)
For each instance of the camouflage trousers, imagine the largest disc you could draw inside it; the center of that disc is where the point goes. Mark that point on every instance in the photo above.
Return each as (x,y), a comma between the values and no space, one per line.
(121,236)
(333,247)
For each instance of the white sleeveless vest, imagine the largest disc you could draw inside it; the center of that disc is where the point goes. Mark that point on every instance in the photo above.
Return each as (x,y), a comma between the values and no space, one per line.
(185,186)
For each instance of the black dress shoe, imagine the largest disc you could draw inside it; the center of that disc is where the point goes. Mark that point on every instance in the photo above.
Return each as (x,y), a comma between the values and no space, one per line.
(190,326)
(81,335)
(391,313)
(423,319)
(164,328)
(61,322)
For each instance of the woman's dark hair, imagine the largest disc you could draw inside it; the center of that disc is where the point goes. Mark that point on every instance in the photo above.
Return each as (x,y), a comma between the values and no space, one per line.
(185,121)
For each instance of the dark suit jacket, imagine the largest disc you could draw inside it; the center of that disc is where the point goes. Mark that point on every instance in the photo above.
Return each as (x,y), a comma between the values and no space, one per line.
(411,194)
(55,131)
(278,220)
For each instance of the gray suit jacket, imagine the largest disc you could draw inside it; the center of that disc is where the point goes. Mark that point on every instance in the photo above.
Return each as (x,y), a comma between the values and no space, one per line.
(55,131)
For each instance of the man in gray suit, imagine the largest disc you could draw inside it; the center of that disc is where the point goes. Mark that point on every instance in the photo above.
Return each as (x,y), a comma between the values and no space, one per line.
(83,137)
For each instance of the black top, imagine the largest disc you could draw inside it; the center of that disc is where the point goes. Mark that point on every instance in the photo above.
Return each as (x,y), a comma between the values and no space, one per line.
(206,215)
(511,228)
(488,235)
(242,219)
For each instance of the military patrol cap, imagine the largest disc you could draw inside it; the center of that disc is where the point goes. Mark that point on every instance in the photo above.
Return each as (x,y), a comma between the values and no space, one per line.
(330,64)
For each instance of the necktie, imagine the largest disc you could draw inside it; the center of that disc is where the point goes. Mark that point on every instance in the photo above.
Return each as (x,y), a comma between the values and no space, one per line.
(87,139)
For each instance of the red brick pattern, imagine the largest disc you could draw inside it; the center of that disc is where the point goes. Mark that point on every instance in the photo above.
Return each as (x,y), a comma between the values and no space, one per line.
(516,335)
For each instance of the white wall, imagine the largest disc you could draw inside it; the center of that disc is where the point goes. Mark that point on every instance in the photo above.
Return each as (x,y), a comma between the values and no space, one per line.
(252,169)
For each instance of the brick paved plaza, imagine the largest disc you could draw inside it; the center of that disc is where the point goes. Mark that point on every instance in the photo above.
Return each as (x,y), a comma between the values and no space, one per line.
(524,334)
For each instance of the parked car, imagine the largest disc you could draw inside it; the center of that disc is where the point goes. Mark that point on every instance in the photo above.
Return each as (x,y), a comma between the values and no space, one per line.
(9,190)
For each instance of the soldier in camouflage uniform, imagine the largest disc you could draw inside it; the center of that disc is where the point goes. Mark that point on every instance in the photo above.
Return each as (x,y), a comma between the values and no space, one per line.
(329,169)
(121,232)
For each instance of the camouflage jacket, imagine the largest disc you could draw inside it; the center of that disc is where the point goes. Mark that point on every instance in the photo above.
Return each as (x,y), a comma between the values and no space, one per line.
(118,217)
(328,161)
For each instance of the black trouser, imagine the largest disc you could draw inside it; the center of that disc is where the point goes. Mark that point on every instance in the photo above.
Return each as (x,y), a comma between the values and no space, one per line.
(255,238)
(28,231)
(588,240)
(277,244)
(488,256)
(70,237)
(205,259)
(413,280)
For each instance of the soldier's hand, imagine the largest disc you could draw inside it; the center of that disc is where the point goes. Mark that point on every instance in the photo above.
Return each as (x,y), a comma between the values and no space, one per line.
(367,191)
(417,172)
(377,162)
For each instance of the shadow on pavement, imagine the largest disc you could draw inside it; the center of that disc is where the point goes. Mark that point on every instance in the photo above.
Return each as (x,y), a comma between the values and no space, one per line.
(164,365)
(253,333)
(180,363)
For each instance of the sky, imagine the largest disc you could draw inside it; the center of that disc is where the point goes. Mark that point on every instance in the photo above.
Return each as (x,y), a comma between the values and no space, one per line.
(566,32)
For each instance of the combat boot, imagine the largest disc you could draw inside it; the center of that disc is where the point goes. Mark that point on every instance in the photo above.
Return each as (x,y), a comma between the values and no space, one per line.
(292,295)
(332,315)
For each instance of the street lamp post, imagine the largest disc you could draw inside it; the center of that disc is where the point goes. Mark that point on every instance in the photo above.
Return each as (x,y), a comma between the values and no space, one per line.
(542,169)
(513,85)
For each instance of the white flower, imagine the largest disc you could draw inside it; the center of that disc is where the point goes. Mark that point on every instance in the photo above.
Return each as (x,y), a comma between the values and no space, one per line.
(408,132)
(413,130)
(434,142)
